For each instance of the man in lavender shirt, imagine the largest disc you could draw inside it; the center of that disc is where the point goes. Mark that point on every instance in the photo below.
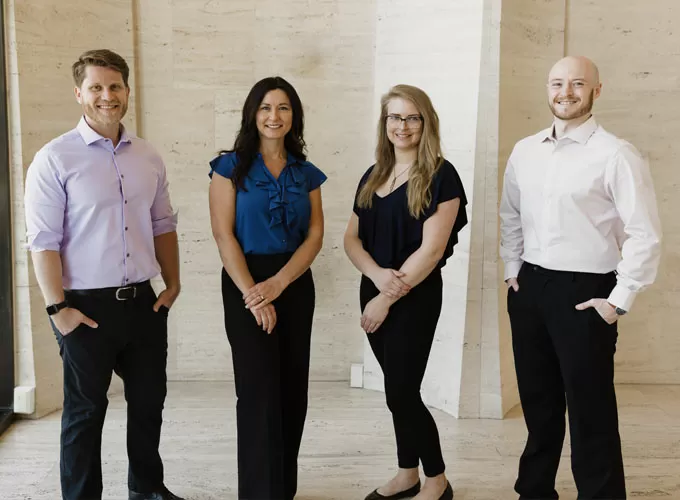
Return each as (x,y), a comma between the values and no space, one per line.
(99,226)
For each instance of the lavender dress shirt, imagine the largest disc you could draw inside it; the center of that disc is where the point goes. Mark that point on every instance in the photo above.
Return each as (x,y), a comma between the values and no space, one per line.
(100,207)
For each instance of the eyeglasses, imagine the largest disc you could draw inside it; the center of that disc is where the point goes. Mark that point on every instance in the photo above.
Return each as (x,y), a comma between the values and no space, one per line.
(411,121)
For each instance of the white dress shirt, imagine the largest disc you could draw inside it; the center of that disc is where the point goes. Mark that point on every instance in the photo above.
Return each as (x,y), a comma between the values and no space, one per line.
(582,203)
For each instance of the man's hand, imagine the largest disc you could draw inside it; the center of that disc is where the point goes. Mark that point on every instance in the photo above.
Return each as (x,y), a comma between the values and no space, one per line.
(68,319)
(603,308)
(512,283)
(166,298)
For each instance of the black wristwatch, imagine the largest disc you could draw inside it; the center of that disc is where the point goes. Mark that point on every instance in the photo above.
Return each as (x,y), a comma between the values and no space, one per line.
(55,308)
(619,311)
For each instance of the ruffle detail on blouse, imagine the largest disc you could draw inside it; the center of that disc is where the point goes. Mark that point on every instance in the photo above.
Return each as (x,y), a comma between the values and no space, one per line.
(281,194)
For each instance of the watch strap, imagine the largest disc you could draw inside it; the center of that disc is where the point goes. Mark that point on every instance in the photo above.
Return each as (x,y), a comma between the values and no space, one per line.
(55,308)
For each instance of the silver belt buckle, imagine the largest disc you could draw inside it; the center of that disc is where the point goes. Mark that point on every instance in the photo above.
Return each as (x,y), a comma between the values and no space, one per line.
(134,292)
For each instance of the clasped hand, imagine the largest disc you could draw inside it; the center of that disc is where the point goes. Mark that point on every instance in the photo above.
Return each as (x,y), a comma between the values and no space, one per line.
(389,282)
(258,299)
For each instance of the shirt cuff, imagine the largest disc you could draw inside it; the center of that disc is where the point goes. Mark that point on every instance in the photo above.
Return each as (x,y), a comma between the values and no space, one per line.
(43,241)
(622,297)
(166,225)
(512,269)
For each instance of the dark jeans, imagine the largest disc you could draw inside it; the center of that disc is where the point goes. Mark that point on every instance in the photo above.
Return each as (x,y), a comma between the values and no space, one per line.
(402,347)
(565,358)
(132,341)
(271,373)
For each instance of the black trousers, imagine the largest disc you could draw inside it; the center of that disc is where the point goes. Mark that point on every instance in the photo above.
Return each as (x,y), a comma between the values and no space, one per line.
(402,347)
(565,358)
(271,373)
(131,340)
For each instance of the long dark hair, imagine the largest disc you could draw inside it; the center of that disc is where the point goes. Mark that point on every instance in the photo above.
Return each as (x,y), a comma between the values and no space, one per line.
(247,143)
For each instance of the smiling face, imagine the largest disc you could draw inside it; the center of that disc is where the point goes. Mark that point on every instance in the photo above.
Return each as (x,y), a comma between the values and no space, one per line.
(103,96)
(403,124)
(275,115)
(573,86)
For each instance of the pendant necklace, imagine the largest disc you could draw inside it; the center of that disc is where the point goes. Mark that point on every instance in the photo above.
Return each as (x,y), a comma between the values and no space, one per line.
(394,179)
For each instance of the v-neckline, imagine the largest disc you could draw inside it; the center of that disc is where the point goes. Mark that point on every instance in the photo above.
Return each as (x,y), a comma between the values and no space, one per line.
(392,192)
(275,178)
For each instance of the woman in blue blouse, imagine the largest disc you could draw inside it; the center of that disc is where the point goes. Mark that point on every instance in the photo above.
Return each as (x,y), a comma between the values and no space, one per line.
(408,210)
(267,220)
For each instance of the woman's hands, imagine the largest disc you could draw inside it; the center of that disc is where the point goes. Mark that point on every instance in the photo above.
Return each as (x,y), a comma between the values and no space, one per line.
(375,313)
(388,281)
(264,293)
(265,317)
(258,299)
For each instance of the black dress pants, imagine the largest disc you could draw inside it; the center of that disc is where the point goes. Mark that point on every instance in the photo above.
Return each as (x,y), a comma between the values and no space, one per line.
(402,347)
(564,358)
(131,340)
(271,374)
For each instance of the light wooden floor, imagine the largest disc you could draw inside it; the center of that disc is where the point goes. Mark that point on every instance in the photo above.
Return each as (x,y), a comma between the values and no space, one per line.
(348,447)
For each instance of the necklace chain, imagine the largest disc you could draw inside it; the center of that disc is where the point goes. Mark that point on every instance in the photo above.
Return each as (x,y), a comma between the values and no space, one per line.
(394,179)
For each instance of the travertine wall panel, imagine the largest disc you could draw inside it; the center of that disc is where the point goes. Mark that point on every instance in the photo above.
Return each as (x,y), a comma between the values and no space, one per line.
(44,39)
(483,63)
(637,53)
(439,50)
(532,39)
(198,61)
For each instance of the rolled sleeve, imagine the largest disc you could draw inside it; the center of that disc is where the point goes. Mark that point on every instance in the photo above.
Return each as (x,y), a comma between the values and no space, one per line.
(163,218)
(44,202)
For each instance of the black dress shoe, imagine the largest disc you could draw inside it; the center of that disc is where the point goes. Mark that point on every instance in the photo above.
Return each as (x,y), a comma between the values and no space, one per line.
(162,494)
(448,492)
(411,492)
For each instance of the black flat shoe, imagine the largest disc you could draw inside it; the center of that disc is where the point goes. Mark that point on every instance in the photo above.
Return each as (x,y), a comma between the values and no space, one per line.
(409,493)
(162,494)
(448,492)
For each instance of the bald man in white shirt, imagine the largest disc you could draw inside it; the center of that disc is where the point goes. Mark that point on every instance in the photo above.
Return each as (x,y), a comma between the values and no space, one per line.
(580,238)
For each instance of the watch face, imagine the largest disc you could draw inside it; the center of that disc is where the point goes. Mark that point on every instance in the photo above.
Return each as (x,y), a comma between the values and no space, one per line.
(55,308)
(619,311)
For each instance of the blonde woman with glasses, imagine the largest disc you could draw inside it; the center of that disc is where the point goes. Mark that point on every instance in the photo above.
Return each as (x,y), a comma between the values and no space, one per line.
(408,210)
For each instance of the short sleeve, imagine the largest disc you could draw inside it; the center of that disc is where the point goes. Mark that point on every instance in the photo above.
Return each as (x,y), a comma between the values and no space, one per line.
(224,165)
(363,180)
(447,186)
(163,218)
(315,177)
(45,203)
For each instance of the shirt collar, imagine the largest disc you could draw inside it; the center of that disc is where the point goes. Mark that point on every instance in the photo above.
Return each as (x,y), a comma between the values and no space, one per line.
(290,173)
(90,136)
(581,134)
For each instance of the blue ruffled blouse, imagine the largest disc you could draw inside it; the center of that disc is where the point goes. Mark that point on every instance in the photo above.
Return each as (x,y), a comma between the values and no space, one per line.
(272,215)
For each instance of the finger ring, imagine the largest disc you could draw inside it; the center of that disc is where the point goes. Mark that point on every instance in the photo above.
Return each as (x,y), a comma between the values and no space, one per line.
(261,297)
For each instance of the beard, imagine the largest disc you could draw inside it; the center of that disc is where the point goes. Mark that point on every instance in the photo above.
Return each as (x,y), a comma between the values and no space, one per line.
(584,109)
(106,118)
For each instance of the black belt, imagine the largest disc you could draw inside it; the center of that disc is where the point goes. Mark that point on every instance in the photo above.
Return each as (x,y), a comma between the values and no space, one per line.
(127,292)
(549,272)
(555,272)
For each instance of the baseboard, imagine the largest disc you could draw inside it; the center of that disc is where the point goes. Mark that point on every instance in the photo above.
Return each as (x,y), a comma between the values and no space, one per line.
(6,418)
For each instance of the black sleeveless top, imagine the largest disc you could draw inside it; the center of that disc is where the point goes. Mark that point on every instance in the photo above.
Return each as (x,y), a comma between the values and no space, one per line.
(390,234)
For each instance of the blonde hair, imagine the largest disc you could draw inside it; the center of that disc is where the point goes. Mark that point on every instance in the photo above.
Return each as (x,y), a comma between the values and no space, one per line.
(428,160)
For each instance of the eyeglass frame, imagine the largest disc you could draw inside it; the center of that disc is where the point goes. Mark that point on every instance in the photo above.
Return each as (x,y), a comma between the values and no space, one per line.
(405,121)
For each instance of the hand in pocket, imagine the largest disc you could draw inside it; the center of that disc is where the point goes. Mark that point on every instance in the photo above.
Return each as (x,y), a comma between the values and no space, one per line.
(603,308)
